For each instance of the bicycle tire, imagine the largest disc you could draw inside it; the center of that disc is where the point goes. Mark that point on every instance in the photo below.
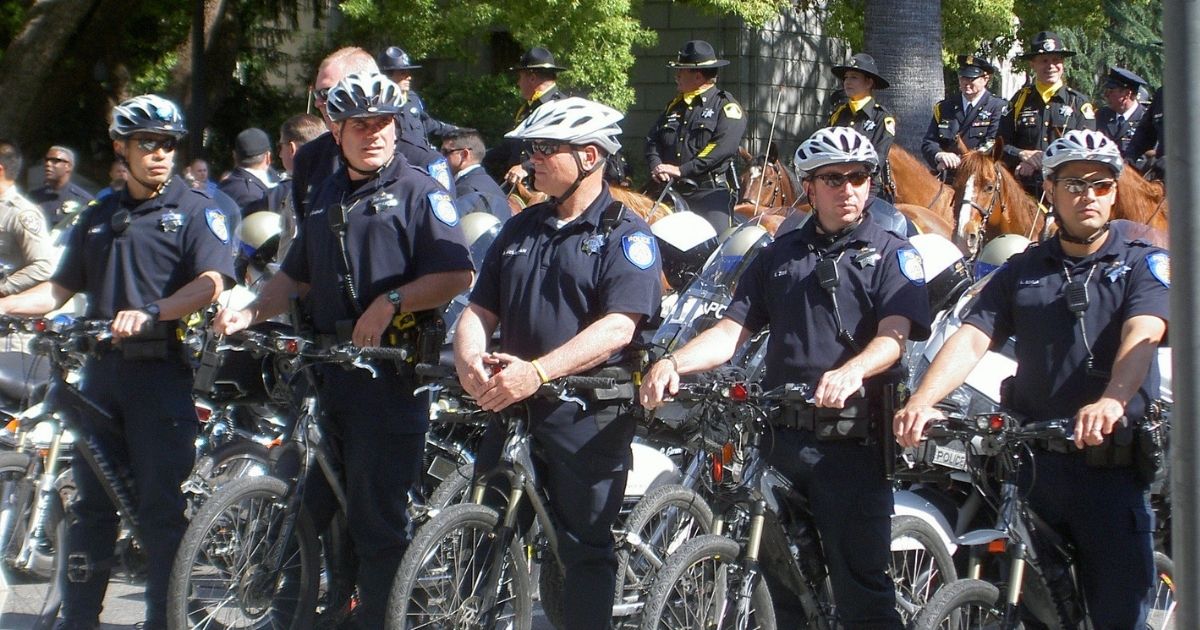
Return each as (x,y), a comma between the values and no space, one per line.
(428,590)
(667,606)
(18,494)
(226,542)
(918,572)
(962,605)
(454,489)
(1162,600)
(52,602)
(225,463)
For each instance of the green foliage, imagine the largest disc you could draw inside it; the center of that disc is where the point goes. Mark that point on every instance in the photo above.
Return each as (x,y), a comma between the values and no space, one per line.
(485,103)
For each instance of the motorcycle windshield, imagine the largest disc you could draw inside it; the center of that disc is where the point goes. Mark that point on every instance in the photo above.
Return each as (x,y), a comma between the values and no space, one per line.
(705,299)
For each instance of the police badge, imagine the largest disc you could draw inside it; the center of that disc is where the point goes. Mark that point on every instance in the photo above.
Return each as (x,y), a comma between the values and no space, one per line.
(170,221)
(639,249)
(1160,267)
(911,265)
(216,224)
(708,113)
(443,208)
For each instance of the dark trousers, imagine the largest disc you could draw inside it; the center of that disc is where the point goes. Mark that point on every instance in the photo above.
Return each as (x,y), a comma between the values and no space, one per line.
(851,503)
(1105,513)
(583,461)
(381,454)
(155,431)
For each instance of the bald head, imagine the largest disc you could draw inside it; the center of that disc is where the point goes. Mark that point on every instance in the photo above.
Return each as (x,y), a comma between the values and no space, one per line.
(338,65)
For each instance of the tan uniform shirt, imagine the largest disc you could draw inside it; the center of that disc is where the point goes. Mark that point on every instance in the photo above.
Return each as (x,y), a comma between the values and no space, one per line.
(25,245)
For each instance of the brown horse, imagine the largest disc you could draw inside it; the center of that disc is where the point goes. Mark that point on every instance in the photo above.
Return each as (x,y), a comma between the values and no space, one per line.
(1141,200)
(916,185)
(766,182)
(522,197)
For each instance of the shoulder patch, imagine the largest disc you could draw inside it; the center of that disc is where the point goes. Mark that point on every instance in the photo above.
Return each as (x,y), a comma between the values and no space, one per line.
(32,221)
(1160,267)
(217,224)
(1088,112)
(889,123)
(732,110)
(911,265)
(440,171)
(443,208)
(639,249)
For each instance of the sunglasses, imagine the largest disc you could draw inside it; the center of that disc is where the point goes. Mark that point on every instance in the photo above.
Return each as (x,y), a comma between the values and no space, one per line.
(447,151)
(837,180)
(544,148)
(1077,186)
(150,145)
(56,161)
(322,94)
(120,221)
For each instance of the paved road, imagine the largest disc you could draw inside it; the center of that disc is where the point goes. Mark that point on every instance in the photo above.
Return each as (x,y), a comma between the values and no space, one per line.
(123,606)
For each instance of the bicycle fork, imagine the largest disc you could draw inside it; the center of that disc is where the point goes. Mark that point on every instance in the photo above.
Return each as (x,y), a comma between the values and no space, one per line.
(499,539)
(45,492)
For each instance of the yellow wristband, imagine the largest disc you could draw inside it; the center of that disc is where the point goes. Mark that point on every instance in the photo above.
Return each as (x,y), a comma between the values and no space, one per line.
(540,371)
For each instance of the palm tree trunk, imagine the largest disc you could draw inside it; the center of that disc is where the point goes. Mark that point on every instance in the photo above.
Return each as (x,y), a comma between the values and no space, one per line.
(905,37)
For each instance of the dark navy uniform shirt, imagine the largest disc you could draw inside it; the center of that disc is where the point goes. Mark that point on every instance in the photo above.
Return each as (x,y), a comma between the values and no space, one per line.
(1025,298)
(700,135)
(316,160)
(57,204)
(873,121)
(169,241)
(245,188)
(414,122)
(879,273)
(400,226)
(1120,131)
(1032,123)
(1150,135)
(475,191)
(547,283)
(977,128)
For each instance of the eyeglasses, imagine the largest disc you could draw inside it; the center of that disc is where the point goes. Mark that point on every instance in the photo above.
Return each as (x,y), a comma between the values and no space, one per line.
(322,94)
(1077,186)
(150,145)
(56,161)
(837,180)
(544,148)
(120,221)
(446,151)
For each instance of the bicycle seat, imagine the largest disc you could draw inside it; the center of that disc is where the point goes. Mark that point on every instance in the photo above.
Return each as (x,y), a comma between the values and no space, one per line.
(21,374)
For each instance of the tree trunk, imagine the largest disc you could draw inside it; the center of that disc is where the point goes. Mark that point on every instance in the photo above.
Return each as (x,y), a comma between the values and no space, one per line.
(905,37)
(30,58)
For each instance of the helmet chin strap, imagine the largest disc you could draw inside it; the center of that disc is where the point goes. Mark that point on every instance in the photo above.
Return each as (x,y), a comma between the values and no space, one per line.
(583,173)
(1070,238)
(368,173)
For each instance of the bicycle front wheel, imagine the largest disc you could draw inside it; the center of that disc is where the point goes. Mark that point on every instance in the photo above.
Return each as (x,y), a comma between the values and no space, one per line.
(1162,594)
(921,564)
(701,585)
(963,605)
(442,581)
(238,568)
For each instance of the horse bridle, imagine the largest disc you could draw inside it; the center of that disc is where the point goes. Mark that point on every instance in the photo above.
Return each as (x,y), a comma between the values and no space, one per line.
(974,239)
(762,178)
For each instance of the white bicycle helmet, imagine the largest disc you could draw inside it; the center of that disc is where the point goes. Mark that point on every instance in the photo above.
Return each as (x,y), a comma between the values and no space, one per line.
(149,113)
(998,251)
(835,145)
(1082,145)
(574,120)
(363,95)
(259,235)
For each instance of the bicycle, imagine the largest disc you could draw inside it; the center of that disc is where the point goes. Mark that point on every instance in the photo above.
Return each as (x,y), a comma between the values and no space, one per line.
(1035,569)
(466,566)
(717,580)
(251,556)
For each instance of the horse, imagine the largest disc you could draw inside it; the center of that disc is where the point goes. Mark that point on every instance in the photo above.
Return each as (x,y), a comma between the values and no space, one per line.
(991,202)
(766,182)
(917,186)
(521,197)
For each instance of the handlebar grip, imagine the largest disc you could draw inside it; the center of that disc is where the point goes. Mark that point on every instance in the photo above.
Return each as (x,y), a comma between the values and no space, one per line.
(395,354)
(434,370)
(589,382)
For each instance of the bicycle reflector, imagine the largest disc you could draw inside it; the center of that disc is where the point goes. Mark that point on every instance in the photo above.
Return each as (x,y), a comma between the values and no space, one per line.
(39,325)
(718,469)
(738,392)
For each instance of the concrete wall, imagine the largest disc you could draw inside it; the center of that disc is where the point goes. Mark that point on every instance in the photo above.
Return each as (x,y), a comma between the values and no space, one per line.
(785,66)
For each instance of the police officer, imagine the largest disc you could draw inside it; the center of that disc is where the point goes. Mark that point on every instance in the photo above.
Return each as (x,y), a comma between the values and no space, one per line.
(973,117)
(838,338)
(58,196)
(698,134)
(25,245)
(1091,359)
(537,81)
(864,113)
(413,123)
(1149,142)
(560,319)
(474,189)
(1042,111)
(1120,118)
(250,181)
(146,257)
(400,251)
(321,158)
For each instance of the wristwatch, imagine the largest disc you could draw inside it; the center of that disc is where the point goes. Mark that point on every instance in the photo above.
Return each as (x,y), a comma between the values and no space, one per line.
(395,298)
(152,309)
